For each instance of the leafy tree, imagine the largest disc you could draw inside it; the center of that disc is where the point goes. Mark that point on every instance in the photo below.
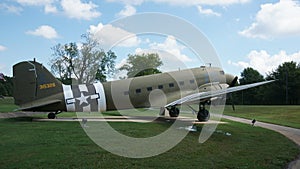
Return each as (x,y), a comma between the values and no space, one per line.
(250,96)
(286,89)
(62,64)
(87,63)
(141,65)
(6,87)
(250,75)
(107,66)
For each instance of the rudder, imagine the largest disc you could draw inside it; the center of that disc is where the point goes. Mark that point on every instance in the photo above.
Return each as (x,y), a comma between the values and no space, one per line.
(32,81)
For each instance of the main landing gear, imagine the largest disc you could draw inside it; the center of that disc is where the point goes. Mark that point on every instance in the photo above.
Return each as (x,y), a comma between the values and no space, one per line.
(202,115)
(52,115)
(173,111)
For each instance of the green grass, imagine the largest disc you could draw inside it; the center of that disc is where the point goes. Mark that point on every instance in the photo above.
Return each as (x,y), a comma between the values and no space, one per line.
(27,144)
(282,115)
(7,105)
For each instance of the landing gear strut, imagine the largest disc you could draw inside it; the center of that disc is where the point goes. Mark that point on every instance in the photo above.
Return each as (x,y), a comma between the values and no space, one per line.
(53,115)
(173,111)
(203,114)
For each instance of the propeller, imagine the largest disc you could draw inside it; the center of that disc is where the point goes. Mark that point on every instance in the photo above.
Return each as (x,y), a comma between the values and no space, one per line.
(232,84)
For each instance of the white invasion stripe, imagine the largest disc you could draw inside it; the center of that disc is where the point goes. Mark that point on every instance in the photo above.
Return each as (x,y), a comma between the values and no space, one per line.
(86,108)
(69,98)
(102,100)
(83,88)
(70,101)
(95,96)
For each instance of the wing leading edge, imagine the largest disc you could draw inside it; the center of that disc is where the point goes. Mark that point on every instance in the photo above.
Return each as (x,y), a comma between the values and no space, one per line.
(207,95)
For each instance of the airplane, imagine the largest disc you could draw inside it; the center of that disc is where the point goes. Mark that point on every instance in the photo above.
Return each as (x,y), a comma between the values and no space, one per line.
(36,89)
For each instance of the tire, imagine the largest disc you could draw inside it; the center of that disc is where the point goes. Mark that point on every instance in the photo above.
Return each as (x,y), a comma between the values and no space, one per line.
(51,116)
(203,115)
(174,112)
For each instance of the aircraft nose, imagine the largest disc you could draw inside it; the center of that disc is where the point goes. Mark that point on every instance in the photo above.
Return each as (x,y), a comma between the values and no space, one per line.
(230,79)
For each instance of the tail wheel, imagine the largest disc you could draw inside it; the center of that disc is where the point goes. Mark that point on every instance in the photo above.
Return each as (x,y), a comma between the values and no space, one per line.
(174,112)
(51,115)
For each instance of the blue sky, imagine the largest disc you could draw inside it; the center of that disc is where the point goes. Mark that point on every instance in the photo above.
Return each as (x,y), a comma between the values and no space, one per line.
(260,34)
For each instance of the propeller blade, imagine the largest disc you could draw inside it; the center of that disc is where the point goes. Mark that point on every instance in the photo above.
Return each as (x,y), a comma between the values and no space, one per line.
(232,84)
(233,81)
(233,107)
(232,101)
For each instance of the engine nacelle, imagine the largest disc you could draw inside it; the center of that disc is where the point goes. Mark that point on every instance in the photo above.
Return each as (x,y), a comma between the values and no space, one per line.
(85,98)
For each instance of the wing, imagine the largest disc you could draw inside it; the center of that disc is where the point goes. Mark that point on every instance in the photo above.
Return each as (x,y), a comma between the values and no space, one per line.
(207,95)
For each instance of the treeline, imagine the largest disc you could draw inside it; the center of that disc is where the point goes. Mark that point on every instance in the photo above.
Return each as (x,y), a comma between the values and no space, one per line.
(6,86)
(284,91)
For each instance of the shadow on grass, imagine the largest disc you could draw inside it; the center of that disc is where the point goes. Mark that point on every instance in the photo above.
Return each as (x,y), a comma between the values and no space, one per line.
(21,119)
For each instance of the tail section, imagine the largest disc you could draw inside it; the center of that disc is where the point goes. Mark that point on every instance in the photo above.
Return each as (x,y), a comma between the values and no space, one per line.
(32,82)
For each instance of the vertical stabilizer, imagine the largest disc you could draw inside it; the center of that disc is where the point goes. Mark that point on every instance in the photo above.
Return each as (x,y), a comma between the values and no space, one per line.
(32,81)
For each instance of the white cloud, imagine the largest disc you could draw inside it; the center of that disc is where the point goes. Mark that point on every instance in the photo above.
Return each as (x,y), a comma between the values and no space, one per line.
(2,48)
(263,62)
(48,4)
(275,20)
(171,46)
(49,8)
(183,2)
(45,31)
(170,53)
(121,63)
(108,35)
(11,8)
(127,11)
(79,10)
(207,11)
(35,2)
(129,2)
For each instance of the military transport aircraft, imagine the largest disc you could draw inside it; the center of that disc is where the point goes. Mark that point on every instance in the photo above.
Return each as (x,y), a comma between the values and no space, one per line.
(36,89)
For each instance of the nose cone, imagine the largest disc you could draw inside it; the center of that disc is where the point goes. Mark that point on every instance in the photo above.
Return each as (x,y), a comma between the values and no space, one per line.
(231,80)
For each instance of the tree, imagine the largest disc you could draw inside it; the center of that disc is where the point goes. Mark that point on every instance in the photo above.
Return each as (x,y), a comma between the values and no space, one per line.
(254,95)
(250,75)
(141,65)
(6,86)
(107,66)
(286,89)
(62,64)
(87,63)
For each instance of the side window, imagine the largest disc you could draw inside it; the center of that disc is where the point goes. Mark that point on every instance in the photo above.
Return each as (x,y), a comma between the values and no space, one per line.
(171,84)
(192,81)
(181,83)
(160,86)
(138,91)
(149,89)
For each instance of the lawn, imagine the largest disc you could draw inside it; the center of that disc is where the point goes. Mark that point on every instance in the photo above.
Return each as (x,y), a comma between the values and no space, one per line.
(282,115)
(27,144)
(7,105)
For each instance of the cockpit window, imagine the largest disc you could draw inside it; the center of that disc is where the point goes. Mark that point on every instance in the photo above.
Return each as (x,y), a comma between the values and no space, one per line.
(222,72)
